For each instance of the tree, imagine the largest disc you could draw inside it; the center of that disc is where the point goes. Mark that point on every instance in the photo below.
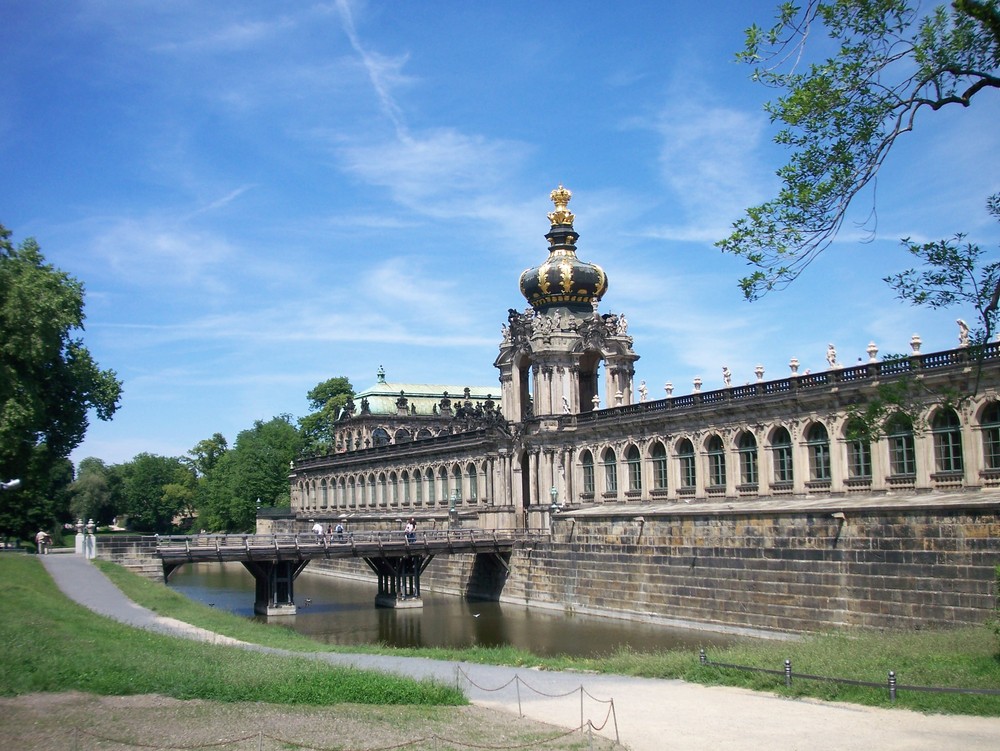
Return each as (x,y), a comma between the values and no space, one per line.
(843,115)
(156,489)
(206,454)
(327,399)
(90,493)
(952,275)
(48,383)
(255,468)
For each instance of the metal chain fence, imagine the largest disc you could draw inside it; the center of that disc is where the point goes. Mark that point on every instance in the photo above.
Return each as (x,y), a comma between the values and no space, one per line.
(890,684)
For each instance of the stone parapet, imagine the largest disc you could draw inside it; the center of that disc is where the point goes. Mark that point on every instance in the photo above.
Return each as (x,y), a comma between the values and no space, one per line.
(856,564)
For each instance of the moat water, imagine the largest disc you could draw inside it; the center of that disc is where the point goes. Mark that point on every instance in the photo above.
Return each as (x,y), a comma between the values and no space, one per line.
(342,611)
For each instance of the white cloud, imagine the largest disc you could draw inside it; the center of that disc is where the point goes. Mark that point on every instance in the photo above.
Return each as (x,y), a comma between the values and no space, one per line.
(149,252)
(708,156)
(440,173)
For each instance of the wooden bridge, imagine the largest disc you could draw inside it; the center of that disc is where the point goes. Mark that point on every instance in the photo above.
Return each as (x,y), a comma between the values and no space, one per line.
(397,558)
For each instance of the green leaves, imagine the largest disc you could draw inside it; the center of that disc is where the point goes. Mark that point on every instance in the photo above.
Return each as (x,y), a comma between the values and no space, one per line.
(48,379)
(953,274)
(842,115)
(327,399)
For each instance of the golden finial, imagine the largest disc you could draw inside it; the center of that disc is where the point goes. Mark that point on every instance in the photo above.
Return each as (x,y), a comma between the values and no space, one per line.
(562,215)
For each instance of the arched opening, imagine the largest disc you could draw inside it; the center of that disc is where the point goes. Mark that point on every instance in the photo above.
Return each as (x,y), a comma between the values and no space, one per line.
(522,388)
(990,422)
(902,451)
(685,456)
(473,479)
(747,447)
(859,450)
(947,431)
(716,452)
(781,452)
(610,463)
(590,364)
(658,453)
(634,461)
(818,445)
(525,481)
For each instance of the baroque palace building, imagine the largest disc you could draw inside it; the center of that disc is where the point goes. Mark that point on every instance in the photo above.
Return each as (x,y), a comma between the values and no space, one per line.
(563,436)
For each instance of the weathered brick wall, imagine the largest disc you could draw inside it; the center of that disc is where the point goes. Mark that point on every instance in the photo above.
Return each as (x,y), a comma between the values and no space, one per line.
(793,571)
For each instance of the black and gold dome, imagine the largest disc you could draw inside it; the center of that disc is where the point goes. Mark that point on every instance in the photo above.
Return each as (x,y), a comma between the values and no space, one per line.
(563,281)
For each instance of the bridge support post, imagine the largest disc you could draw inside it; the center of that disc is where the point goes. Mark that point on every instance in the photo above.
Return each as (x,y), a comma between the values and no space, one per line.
(275,585)
(399,580)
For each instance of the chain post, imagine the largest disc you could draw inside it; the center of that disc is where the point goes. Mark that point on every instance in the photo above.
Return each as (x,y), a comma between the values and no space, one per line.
(788,673)
(892,686)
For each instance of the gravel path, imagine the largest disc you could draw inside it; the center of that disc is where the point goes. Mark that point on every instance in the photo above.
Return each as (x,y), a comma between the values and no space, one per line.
(651,715)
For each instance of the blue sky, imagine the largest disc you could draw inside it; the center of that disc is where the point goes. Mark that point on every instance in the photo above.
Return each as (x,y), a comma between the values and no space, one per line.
(262,195)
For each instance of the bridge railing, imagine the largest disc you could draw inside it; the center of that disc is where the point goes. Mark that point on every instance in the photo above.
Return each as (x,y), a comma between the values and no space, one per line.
(347,538)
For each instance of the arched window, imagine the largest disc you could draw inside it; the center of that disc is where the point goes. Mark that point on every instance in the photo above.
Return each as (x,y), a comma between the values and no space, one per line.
(859,450)
(404,487)
(716,462)
(748,459)
(781,448)
(818,443)
(383,494)
(324,493)
(424,433)
(351,497)
(685,455)
(443,484)
(402,436)
(902,454)
(947,431)
(610,471)
(991,435)
(473,478)
(659,457)
(587,464)
(634,461)
(394,488)
(380,437)
(456,483)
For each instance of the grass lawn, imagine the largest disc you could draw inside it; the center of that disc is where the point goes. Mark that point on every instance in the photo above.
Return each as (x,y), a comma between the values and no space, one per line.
(52,644)
(961,658)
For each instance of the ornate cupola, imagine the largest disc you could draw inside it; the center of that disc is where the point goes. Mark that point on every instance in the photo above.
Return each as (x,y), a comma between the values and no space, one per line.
(563,281)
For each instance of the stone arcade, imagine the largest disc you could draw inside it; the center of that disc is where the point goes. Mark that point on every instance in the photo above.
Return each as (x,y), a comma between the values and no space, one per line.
(759,506)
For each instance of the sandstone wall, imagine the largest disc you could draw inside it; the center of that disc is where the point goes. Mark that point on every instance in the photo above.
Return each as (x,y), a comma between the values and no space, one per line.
(780,571)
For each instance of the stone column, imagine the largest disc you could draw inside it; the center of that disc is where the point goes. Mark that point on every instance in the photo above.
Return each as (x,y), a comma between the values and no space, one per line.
(923,451)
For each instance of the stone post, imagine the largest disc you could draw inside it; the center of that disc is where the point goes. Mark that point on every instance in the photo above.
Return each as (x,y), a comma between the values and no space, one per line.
(79,547)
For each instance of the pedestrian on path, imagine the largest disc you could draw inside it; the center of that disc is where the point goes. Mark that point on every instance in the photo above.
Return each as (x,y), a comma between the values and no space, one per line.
(42,542)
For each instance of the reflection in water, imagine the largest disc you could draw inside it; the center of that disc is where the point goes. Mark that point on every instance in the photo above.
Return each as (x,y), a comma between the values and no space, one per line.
(342,611)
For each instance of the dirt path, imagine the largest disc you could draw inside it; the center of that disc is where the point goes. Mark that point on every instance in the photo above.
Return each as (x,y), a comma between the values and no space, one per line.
(60,722)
